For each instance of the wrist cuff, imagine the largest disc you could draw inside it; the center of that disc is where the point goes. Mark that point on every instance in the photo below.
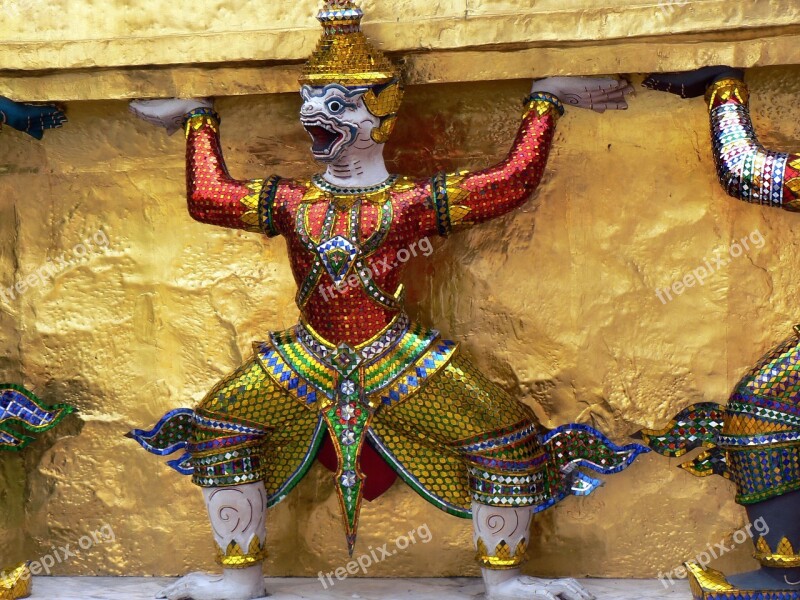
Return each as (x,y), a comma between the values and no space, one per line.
(723,90)
(543,103)
(198,117)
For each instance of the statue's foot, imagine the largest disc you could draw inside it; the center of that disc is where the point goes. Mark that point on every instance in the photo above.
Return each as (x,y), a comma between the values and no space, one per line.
(532,588)
(202,586)
(15,582)
(709,584)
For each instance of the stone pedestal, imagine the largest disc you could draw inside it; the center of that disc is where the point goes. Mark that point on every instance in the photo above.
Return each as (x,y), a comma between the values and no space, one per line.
(121,588)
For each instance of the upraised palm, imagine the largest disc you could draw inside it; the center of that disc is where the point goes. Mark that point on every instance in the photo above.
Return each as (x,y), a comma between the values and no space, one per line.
(595,93)
(690,84)
(168,113)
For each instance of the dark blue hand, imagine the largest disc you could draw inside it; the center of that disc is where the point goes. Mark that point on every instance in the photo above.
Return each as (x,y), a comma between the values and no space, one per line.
(32,119)
(690,84)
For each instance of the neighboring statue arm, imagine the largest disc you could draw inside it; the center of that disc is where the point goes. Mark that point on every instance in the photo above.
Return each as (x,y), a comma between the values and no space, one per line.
(745,168)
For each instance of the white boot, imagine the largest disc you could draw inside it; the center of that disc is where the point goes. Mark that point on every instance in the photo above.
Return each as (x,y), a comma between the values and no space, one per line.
(501,538)
(238,521)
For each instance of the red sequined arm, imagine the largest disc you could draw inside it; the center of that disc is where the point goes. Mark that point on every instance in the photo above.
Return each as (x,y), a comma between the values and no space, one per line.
(473,197)
(213,196)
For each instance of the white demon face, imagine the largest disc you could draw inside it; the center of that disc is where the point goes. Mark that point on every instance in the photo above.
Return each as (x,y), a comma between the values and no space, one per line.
(337,119)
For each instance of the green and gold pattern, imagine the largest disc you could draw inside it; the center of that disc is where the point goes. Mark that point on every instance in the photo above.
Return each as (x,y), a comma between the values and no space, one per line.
(397,369)
(447,197)
(265,206)
(754,440)
(290,431)
(347,424)
(449,432)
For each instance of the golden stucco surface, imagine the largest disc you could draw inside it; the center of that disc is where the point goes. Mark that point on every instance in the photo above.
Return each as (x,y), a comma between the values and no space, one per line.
(85,50)
(557,303)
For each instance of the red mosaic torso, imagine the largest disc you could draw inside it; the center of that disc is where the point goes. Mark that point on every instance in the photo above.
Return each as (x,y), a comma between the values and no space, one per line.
(349,313)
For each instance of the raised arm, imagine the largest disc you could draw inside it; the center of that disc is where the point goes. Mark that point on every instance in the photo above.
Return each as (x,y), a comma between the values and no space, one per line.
(466,198)
(212,195)
(746,169)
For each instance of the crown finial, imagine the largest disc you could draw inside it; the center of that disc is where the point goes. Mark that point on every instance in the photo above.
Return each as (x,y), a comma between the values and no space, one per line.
(343,54)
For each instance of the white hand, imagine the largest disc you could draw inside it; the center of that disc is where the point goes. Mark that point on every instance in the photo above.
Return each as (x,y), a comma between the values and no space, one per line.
(531,588)
(202,586)
(167,113)
(568,588)
(596,93)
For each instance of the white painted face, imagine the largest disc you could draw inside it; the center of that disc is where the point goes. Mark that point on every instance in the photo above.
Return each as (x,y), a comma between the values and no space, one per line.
(337,120)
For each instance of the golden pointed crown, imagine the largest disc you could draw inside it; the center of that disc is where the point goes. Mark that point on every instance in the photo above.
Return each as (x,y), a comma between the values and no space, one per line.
(344,55)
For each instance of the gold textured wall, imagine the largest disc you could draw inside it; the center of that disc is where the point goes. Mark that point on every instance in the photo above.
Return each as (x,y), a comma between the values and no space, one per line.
(556,302)
(85,50)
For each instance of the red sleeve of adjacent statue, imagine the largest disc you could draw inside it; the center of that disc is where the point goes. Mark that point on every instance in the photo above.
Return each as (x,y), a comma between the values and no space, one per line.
(466,198)
(213,196)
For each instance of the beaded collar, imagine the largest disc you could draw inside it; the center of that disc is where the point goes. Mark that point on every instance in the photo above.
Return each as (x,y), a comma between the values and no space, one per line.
(321,190)
(319,181)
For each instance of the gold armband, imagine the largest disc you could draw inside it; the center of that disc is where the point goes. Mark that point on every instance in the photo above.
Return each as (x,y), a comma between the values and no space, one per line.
(542,104)
(199,117)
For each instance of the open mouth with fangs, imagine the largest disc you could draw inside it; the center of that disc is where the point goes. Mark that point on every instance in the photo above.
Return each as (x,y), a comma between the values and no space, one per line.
(324,139)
